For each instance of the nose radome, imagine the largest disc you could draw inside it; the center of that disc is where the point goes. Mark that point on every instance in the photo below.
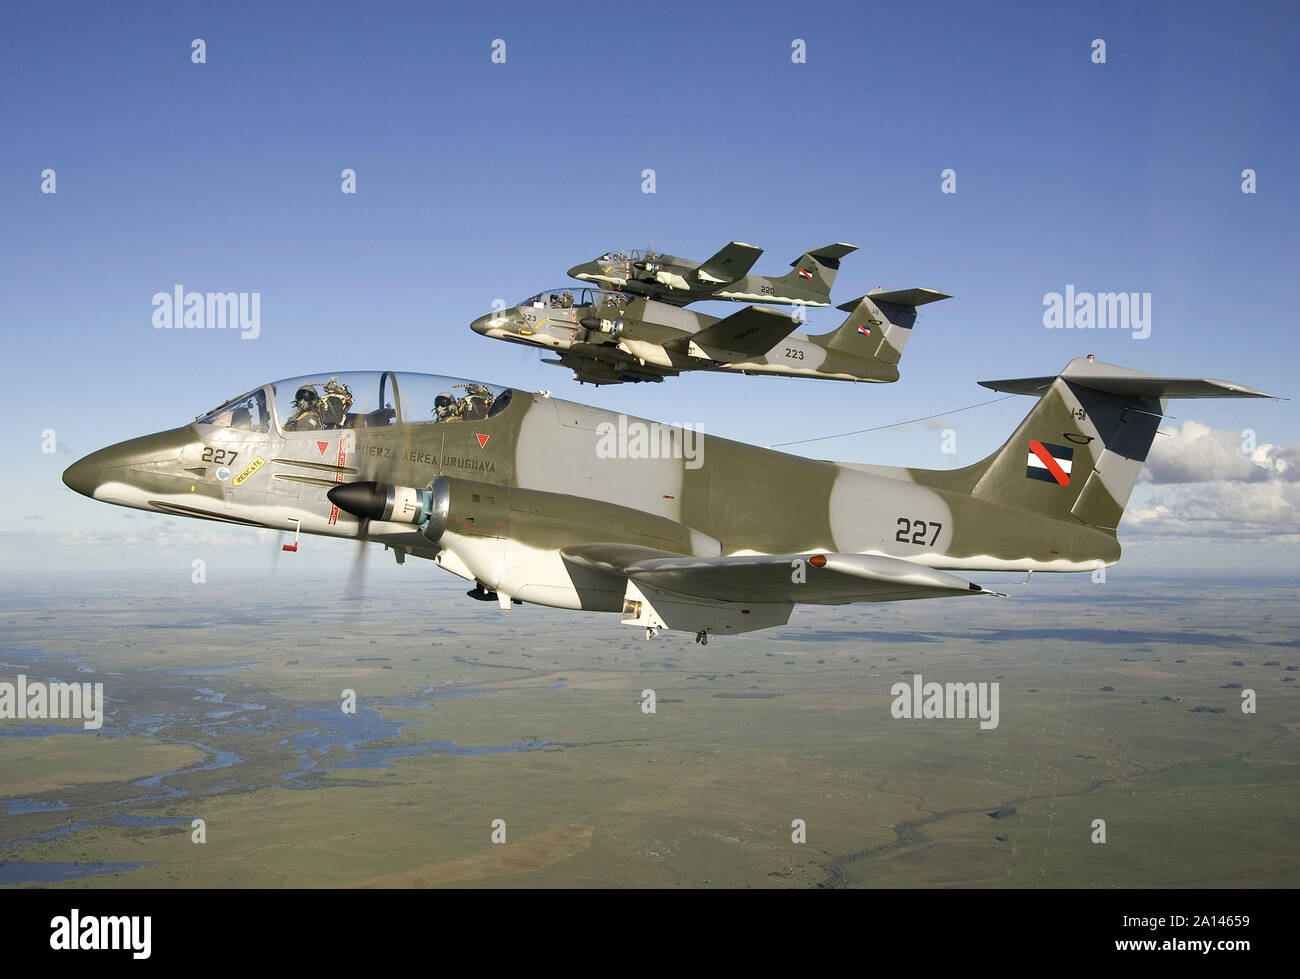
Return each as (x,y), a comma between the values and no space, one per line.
(504,320)
(83,476)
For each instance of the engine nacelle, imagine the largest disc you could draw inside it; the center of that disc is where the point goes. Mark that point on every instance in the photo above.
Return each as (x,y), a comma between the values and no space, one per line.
(465,506)
(551,520)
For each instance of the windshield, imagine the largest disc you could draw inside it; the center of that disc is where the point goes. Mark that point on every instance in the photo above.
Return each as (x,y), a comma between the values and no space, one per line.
(629,255)
(376,399)
(247,413)
(430,398)
(326,402)
(576,299)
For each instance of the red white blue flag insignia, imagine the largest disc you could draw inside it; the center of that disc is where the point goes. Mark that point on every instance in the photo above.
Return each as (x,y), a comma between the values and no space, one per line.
(1048,462)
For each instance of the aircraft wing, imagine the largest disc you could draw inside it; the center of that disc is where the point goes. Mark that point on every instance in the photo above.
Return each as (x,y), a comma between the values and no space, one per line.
(732,262)
(828,578)
(751,332)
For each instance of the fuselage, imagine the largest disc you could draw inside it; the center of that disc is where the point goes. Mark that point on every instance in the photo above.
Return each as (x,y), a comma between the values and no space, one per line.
(645,337)
(680,281)
(535,474)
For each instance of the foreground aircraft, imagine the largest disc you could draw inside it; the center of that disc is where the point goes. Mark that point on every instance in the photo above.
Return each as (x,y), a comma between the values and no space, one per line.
(613,338)
(540,500)
(679,281)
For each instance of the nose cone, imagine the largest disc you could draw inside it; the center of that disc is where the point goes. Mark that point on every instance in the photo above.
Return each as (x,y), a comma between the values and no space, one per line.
(117,462)
(83,475)
(497,324)
(363,499)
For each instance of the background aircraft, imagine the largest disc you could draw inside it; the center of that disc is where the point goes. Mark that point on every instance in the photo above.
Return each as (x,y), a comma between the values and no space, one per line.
(679,281)
(612,338)
(540,500)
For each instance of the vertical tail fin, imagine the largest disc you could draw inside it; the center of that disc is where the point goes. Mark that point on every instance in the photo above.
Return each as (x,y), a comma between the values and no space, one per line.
(814,273)
(879,324)
(1078,453)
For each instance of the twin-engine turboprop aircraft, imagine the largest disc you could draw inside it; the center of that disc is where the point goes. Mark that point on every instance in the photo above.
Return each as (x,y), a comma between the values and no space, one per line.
(679,281)
(545,501)
(613,338)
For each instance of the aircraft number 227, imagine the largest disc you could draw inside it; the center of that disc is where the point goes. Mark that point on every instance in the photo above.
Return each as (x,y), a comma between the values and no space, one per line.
(219,455)
(914,532)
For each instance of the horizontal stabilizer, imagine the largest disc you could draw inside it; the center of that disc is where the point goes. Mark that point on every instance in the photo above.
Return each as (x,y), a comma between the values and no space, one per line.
(828,255)
(749,333)
(1124,382)
(899,297)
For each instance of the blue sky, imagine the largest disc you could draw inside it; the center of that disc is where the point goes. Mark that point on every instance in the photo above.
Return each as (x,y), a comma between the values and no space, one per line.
(478,181)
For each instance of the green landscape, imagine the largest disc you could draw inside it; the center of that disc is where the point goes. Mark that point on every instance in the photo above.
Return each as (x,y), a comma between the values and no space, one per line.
(1119,701)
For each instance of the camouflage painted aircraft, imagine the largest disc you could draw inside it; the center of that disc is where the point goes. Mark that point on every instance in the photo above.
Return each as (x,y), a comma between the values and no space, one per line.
(613,338)
(679,281)
(549,502)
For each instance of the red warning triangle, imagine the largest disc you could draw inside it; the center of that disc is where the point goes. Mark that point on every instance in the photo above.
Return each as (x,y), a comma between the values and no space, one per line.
(482,439)
(322,446)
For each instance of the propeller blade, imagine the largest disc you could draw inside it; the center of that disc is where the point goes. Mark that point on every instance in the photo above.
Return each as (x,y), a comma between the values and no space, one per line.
(356,588)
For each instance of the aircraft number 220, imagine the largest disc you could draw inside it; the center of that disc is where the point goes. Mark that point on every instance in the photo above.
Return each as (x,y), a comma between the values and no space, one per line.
(915,531)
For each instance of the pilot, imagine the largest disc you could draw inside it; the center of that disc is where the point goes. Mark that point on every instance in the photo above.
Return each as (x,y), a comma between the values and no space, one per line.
(475,404)
(444,406)
(566,299)
(335,404)
(307,417)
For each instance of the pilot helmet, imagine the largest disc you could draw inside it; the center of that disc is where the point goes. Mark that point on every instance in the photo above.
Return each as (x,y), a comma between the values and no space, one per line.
(306,397)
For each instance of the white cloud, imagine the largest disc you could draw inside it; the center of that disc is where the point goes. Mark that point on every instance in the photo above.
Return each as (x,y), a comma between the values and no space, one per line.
(1220,509)
(1197,453)
(169,543)
(1199,482)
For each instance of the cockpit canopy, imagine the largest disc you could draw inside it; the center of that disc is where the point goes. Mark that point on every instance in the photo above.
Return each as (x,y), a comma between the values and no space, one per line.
(630,255)
(358,399)
(567,298)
